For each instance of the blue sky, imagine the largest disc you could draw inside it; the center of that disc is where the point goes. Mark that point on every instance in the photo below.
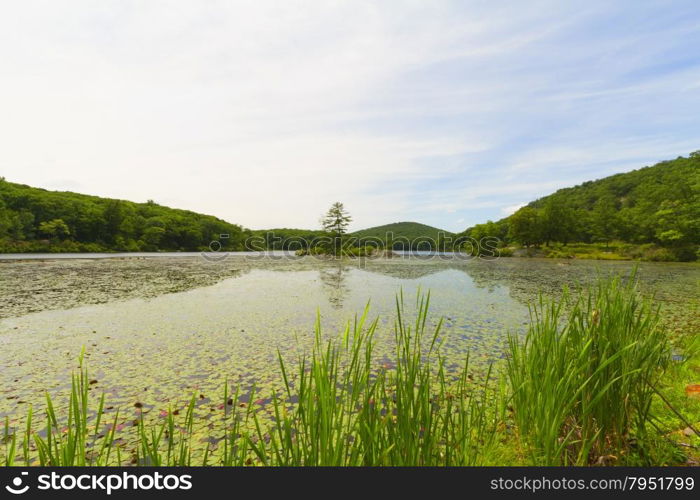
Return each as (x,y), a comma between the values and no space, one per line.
(264,113)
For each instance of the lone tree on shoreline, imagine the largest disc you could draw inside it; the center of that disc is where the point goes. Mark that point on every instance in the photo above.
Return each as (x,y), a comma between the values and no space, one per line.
(336,222)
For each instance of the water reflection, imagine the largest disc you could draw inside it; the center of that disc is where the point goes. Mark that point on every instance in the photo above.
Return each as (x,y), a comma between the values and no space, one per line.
(156,330)
(333,279)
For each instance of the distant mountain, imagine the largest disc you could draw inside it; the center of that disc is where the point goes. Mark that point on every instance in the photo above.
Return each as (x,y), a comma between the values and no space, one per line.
(402,232)
(657,205)
(38,220)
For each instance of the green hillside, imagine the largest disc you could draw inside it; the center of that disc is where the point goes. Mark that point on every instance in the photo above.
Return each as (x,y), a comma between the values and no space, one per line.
(419,235)
(405,234)
(656,206)
(656,209)
(37,220)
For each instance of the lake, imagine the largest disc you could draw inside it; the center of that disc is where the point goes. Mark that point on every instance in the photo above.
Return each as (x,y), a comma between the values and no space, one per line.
(158,329)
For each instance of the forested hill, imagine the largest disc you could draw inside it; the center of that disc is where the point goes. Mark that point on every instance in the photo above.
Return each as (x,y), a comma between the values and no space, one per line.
(403,233)
(658,205)
(38,220)
(34,219)
(406,231)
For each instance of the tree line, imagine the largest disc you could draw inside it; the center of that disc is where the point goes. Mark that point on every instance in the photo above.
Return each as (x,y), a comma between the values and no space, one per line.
(658,204)
(34,219)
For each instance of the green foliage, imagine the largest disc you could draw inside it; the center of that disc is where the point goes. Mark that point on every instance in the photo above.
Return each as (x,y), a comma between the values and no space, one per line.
(558,221)
(54,228)
(505,252)
(658,204)
(405,236)
(402,235)
(335,408)
(335,223)
(589,384)
(348,250)
(336,220)
(37,220)
(583,388)
(604,222)
(525,226)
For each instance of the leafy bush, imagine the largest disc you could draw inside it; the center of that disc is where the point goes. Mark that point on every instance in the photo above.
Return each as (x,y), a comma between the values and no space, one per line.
(686,253)
(658,254)
(505,252)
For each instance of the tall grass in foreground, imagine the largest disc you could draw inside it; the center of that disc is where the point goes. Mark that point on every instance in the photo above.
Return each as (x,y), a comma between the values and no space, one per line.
(582,380)
(70,439)
(351,414)
(337,408)
(577,389)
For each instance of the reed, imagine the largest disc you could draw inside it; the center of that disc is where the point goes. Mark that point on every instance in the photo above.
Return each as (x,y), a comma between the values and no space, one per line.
(350,413)
(582,377)
(577,389)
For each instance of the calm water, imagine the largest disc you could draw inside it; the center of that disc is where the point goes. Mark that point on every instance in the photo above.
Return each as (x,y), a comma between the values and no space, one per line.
(157,330)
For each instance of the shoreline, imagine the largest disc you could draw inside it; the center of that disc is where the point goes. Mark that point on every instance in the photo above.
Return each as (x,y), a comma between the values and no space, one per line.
(522,253)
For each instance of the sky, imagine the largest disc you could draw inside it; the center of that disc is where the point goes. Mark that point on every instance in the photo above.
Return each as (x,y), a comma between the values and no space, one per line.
(264,113)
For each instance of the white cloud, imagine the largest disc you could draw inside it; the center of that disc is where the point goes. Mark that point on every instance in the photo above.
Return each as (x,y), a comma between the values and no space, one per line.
(263,113)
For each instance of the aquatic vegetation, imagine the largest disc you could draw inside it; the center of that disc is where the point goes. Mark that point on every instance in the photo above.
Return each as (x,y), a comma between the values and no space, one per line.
(580,388)
(337,408)
(412,413)
(583,384)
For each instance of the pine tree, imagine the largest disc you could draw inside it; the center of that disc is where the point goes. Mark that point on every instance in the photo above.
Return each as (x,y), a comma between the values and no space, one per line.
(336,222)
